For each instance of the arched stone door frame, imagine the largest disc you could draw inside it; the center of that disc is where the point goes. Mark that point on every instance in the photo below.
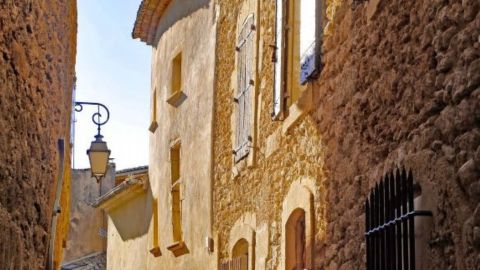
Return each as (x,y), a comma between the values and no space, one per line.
(242,230)
(299,196)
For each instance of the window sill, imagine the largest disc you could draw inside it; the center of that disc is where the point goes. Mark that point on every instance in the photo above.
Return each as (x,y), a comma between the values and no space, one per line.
(175,98)
(299,109)
(153,126)
(156,252)
(178,248)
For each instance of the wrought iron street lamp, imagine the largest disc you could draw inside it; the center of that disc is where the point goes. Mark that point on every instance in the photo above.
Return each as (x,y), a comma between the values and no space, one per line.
(98,154)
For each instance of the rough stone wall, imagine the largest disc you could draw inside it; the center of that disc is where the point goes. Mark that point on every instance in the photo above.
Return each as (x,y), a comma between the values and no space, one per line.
(402,89)
(399,87)
(37,47)
(280,159)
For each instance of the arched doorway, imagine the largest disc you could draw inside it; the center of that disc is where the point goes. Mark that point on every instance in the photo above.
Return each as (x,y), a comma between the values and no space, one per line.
(296,257)
(240,254)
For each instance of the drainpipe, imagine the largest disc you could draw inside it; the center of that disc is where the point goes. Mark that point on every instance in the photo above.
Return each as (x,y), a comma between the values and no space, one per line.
(56,206)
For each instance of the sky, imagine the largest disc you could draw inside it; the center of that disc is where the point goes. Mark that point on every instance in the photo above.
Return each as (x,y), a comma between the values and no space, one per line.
(112,69)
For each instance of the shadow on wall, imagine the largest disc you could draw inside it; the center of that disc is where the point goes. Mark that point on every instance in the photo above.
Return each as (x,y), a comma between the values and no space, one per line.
(176,11)
(132,218)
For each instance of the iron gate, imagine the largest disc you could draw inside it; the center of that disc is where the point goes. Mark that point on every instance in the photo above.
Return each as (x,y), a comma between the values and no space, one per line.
(389,223)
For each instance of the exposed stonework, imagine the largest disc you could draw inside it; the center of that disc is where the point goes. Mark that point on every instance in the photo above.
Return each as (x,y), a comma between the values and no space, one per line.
(399,87)
(402,90)
(37,47)
(284,154)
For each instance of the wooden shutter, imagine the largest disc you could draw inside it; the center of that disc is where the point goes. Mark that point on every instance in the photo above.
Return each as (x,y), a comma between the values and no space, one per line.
(310,33)
(279,76)
(244,98)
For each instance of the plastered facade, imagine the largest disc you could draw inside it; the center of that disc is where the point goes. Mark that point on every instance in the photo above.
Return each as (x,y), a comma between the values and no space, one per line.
(183,122)
(88,225)
(398,88)
(127,232)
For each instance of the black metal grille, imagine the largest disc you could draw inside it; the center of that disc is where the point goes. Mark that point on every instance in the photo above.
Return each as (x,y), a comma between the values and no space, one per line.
(389,223)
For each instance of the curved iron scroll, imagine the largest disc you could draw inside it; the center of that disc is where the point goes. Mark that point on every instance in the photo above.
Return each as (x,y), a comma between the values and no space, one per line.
(96,117)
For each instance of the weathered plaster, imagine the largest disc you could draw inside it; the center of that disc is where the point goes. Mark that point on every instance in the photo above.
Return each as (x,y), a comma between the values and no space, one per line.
(86,222)
(189,29)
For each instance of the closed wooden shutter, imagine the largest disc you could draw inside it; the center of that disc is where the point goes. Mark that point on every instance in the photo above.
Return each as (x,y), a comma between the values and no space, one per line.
(310,36)
(244,98)
(279,80)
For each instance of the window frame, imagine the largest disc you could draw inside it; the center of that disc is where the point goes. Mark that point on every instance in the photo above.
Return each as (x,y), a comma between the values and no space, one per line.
(289,89)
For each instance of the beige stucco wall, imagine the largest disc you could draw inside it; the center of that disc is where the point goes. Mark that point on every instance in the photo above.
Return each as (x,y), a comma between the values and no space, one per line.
(127,233)
(189,28)
(86,221)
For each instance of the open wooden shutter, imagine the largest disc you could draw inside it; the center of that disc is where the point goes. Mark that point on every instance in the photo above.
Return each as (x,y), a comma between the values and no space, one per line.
(278,91)
(245,65)
(310,35)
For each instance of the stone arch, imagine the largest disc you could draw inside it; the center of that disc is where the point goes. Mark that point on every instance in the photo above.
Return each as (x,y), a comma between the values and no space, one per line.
(242,238)
(240,248)
(298,208)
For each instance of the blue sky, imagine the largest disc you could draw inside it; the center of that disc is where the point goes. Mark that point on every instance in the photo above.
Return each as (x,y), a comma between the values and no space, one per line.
(112,69)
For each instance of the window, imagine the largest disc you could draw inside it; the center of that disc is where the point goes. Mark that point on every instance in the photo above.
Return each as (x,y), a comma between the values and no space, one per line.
(244,94)
(295,241)
(177,74)
(175,192)
(154,123)
(155,250)
(298,26)
(391,224)
(176,81)
(178,247)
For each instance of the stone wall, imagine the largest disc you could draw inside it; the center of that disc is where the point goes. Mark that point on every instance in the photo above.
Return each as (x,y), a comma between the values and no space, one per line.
(37,46)
(253,193)
(399,87)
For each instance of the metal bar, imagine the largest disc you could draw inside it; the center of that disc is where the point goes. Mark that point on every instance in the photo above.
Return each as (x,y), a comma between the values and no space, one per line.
(367,228)
(404,222)
(373,240)
(388,217)
(411,220)
(382,233)
(398,214)
(393,244)
(376,235)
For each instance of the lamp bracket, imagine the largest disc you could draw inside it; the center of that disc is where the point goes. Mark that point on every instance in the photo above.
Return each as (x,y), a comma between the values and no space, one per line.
(96,117)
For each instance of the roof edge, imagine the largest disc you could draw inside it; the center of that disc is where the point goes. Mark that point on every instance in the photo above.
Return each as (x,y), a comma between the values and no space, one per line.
(148,15)
(107,200)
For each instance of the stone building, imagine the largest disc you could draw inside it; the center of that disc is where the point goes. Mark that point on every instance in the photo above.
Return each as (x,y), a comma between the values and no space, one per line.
(87,235)
(182,36)
(128,216)
(38,48)
(315,101)
(311,104)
